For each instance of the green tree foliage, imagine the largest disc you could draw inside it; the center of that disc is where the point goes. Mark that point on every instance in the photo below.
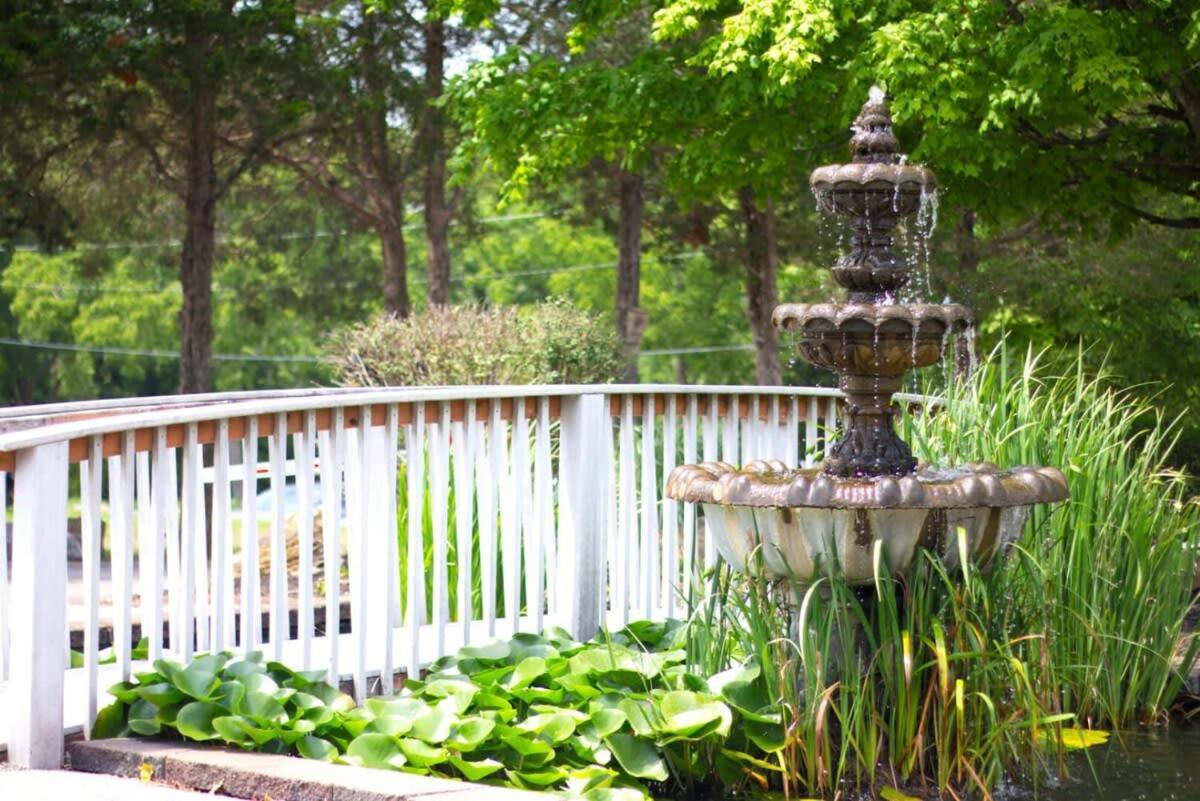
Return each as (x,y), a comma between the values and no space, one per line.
(1056,129)
(38,122)
(1079,109)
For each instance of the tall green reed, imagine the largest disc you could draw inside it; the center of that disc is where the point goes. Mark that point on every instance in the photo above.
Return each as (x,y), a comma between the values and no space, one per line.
(951,682)
(1104,579)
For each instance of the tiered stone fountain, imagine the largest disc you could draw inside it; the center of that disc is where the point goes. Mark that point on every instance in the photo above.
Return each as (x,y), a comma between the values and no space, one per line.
(870,500)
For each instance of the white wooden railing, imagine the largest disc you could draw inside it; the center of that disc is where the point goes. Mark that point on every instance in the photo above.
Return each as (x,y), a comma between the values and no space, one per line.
(564,522)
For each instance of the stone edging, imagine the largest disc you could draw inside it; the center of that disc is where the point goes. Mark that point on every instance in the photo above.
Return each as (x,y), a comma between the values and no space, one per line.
(243,774)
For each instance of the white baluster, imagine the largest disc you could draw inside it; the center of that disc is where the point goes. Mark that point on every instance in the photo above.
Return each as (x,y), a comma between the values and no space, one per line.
(415,446)
(222,533)
(791,453)
(774,432)
(525,529)
(391,577)
(278,580)
(543,504)
(485,480)
(122,503)
(149,555)
(670,518)
(606,488)
(689,509)
(250,588)
(730,430)
(162,497)
(359,461)
(627,550)
(711,447)
(649,502)
(303,446)
(831,423)
(332,461)
(710,455)
(194,519)
(439,502)
(510,535)
(810,432)
(463,445)
(91,474)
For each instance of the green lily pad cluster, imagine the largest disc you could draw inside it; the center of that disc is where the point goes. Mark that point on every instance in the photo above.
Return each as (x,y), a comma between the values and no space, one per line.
(620,718)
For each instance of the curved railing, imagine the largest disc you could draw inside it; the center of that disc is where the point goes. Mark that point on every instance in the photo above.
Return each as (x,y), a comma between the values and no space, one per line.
(391,526)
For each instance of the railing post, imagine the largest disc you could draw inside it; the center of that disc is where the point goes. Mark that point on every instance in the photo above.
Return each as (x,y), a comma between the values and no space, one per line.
(39,589)
(585,419)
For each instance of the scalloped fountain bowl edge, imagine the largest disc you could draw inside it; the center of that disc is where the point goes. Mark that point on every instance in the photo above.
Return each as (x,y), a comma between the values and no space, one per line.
(799,525)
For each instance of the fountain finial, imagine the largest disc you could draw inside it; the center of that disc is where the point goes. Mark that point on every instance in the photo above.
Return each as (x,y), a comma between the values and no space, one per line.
(873,141)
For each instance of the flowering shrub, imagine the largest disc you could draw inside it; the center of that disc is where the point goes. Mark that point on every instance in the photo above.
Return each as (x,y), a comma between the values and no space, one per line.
(550,343)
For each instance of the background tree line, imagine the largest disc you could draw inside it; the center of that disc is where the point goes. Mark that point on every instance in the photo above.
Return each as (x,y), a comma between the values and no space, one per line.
(215,186)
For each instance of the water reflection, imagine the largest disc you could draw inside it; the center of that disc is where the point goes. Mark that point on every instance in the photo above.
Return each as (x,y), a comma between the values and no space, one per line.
(1156,766)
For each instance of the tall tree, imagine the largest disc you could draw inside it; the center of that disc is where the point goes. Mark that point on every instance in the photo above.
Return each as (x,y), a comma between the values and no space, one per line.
(438,209)
(354,152)
(40,105)
(542,119)
(204,89)
(637,88)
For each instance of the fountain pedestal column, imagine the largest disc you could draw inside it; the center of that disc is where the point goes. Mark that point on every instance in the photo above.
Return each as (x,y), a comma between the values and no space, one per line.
(870,444)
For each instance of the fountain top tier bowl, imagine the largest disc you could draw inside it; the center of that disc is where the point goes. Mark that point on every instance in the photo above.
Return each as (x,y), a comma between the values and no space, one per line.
(869,503)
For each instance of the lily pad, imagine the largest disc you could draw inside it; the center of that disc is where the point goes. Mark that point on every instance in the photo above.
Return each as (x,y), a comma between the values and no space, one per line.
(637,757)
(311,747)
(195,720)
(474,770)
(422,754)
(372,750)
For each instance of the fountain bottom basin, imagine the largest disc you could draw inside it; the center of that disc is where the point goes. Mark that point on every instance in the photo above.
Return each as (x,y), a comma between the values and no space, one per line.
(803,544)
(799,525)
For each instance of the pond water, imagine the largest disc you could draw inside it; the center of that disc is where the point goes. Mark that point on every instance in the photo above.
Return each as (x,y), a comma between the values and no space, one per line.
(1157,766)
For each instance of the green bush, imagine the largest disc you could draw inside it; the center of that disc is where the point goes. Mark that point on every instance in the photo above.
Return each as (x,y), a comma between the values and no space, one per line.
(552,342)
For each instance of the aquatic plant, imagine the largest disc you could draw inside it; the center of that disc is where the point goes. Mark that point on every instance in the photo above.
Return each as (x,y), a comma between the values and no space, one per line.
(1105,579)
(952,682)
(608,720)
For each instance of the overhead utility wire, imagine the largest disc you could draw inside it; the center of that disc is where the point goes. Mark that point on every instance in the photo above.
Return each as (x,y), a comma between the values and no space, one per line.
(264,357)
(157,354)
(296,235)
(701,349)
(146,289)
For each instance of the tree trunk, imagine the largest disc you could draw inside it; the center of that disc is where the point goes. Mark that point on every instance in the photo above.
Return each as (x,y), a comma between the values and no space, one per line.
(966,243)
(395,269)
(631,320)
(437,210)
(195,268)
(387,187)
(762,296)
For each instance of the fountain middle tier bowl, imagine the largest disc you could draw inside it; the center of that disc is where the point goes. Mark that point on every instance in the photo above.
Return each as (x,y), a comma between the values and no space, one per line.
(799,525)
(881,192)
(872,339)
